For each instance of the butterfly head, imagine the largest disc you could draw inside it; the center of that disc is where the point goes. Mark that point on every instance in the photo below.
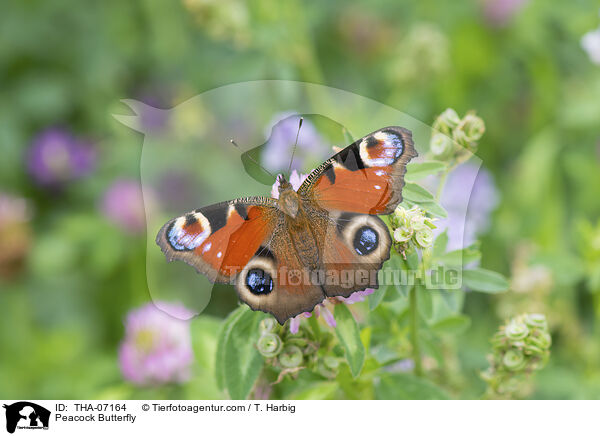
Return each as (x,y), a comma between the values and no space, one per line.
(288,198)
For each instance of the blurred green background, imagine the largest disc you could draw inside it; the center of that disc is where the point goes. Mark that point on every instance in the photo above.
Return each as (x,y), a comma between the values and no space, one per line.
(72,264)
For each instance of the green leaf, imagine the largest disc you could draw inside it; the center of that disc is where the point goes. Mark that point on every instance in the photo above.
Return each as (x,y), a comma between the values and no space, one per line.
(349,336)
(407,387)
(377,297)
(424,302)
(460,257)
(440,244)
(484,280)
(443,277)
(403,289)
(317,391)
(224,333)
(434,209)
(416,193)
(238,361)
(205,340)
(453,324)
(419,170)
(412,260)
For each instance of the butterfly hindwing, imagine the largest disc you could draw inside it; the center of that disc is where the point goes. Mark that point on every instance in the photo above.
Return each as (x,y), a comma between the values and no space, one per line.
(353,247)
(244,242)
(365,177)
(276,281)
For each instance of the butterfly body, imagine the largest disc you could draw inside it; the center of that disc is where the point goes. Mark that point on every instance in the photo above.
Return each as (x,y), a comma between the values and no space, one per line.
(286,255)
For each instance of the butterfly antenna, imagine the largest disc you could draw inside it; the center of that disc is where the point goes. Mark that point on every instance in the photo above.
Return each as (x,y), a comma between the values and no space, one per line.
(295,145)
(251,158)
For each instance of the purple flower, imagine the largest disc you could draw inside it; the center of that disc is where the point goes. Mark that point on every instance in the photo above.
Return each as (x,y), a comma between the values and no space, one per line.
(295,180)
(468,215)
(357,297)
(499,12)
(325,308)
(157,347)
(123,204)
(57,157)
(404,365)
(278,150)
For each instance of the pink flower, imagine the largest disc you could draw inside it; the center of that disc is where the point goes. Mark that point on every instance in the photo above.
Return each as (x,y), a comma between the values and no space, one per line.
(123,204)
(357,297)
(157,347)
(324,309)
(499,12)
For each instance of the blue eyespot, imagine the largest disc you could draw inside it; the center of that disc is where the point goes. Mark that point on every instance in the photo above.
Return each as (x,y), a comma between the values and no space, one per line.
(365,240)
(259,282)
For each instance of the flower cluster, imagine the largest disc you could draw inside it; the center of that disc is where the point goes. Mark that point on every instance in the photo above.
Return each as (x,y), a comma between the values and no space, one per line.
(157,347)
(411,227)
(454,134)
(287,353)
(520,347)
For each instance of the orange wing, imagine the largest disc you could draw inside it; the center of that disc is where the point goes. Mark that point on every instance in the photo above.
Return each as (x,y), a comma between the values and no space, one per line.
(219,240)
(366,177)
(245,242)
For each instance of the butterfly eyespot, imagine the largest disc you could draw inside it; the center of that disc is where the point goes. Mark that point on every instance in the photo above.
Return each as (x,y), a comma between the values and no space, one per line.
(366,239)
(259,282)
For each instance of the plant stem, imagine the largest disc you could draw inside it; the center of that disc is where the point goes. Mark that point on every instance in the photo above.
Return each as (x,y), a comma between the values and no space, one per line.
(440,188)
(414,331)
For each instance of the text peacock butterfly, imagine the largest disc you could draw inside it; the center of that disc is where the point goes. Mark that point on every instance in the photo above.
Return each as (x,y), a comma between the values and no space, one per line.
(286,255)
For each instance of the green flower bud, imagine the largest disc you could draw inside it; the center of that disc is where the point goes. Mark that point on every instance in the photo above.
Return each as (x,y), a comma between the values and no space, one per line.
(402,234)
(519,348)
(269,345)
(331,362)
(541,340)
(531,349)
(399,216)
(514,360)
(267,325)
(447,121)
(473,126)
(516,330)
(441,146)
(424,237)
(291,357)
(536,320)
(460,138)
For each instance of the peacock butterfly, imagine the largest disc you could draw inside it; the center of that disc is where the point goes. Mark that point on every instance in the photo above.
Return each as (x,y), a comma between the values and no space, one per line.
(286,255)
